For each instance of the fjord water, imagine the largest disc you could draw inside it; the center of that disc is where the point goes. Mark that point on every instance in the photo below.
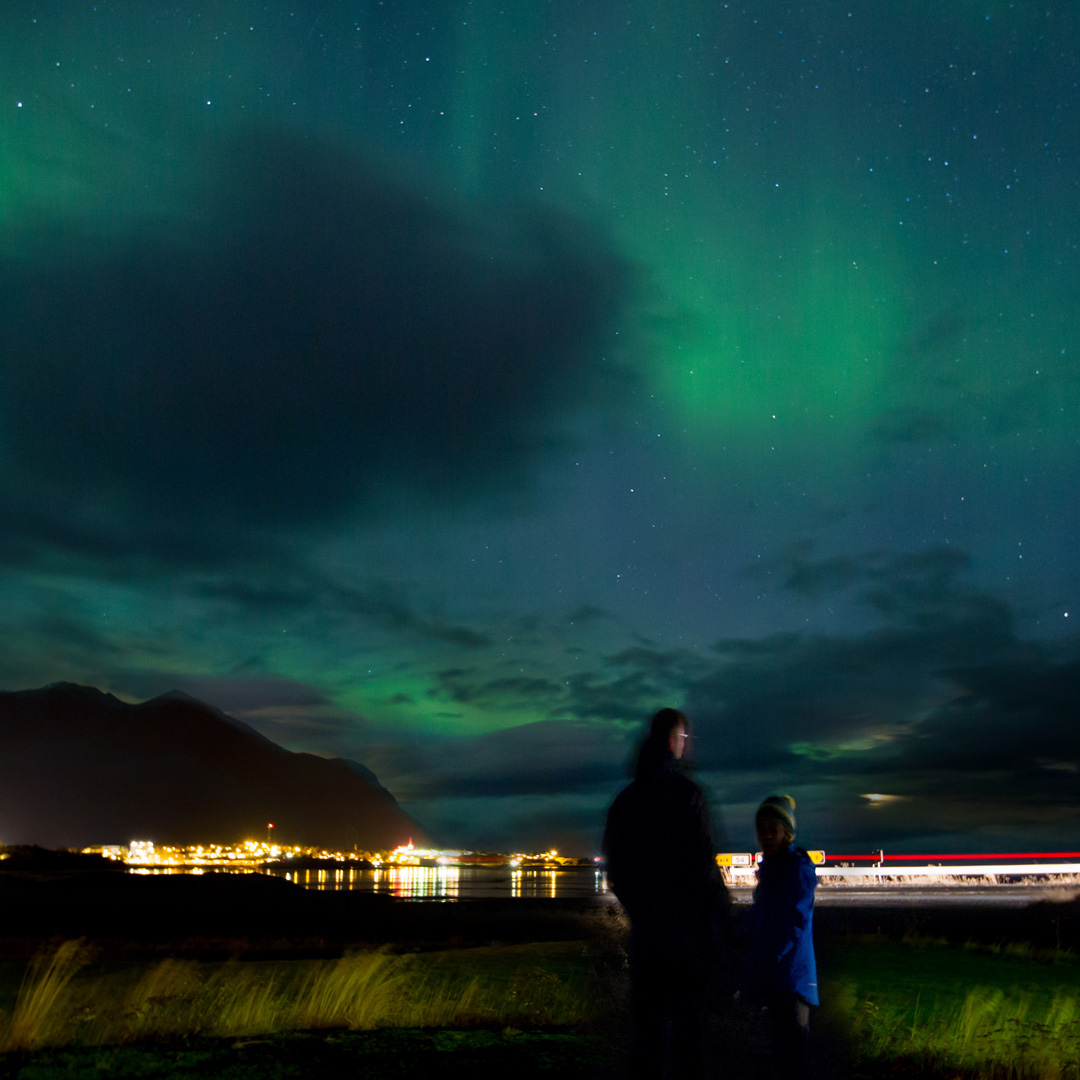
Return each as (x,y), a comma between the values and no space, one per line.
(458,883)
(495,883)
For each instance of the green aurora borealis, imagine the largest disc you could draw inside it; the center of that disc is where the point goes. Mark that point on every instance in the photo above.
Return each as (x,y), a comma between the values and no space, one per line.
(448,386)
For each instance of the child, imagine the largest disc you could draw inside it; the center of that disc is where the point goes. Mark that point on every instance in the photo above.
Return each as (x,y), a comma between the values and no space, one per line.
(782,957)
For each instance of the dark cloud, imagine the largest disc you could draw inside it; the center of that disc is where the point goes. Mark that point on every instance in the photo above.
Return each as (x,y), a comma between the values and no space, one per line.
(794,696)
(790,699)
(921,591)
(314,335)
(54,644)
(306,593)
(67,634)
(884,578)
(973,730)
(1018,717)
(627,697)
(545,758)
(631,684)
(825,575)
(571,823)
(240,695)
(941,705)
(622,689)
(526,691)
(501,694)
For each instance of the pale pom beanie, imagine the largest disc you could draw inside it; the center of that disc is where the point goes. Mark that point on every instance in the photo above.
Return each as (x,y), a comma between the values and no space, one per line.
(779,806)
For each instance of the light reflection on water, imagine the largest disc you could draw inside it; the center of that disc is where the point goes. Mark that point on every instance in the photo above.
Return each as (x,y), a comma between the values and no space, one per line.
(457,883)
(445,883)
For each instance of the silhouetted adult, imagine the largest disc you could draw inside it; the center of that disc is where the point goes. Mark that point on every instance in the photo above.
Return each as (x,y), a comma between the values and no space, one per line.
(661,864)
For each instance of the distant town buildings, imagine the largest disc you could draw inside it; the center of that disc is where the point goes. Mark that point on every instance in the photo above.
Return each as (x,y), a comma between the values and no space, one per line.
(251,855)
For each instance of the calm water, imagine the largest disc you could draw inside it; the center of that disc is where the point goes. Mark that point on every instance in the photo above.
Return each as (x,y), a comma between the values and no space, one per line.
(501,883)
(459,883)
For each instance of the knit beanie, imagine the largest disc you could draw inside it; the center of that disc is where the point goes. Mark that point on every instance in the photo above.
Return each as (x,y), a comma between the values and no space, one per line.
(781,807)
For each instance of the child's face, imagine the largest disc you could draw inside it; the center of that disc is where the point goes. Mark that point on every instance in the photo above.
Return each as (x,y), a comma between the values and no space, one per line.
(770,834)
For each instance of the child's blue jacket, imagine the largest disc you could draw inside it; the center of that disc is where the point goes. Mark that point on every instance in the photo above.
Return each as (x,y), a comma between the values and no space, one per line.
(782,956)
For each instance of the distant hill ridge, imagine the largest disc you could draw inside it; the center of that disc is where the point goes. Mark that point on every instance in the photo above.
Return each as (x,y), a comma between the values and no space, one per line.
(79,767)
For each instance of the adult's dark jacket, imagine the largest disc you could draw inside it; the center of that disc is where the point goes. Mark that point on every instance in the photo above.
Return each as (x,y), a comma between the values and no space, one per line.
(660,855)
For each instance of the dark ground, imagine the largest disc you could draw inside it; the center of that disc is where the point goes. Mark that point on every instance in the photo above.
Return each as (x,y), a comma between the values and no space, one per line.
(372,1055)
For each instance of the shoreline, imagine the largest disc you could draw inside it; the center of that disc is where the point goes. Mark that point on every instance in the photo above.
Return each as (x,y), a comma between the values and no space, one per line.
(163,912)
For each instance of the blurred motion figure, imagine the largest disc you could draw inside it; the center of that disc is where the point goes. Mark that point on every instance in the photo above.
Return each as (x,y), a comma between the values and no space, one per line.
(661,864)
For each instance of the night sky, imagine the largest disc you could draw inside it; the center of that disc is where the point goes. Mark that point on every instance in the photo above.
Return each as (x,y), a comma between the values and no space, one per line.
(448,386)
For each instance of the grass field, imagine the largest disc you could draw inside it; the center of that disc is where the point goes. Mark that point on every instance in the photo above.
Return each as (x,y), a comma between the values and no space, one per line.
(518,1009)
(66,997)
(938,1008)
(903,1005)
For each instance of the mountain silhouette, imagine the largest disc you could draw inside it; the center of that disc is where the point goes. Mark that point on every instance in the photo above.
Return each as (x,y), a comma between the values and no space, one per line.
(79,767)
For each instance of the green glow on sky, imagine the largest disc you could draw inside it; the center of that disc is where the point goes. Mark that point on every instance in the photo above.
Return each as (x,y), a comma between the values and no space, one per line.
(807,344)
(852,240)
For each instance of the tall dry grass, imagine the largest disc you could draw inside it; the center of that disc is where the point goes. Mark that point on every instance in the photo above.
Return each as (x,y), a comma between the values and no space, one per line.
(360,991)
(991,1033)
(37,1012)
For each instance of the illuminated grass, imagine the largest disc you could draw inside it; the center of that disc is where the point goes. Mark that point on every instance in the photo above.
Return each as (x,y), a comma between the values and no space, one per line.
(521,987)
(38,1009)
(915,1007)
(929,1008)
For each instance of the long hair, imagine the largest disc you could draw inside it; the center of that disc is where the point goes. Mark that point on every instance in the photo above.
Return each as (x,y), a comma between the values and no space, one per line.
(655,749)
